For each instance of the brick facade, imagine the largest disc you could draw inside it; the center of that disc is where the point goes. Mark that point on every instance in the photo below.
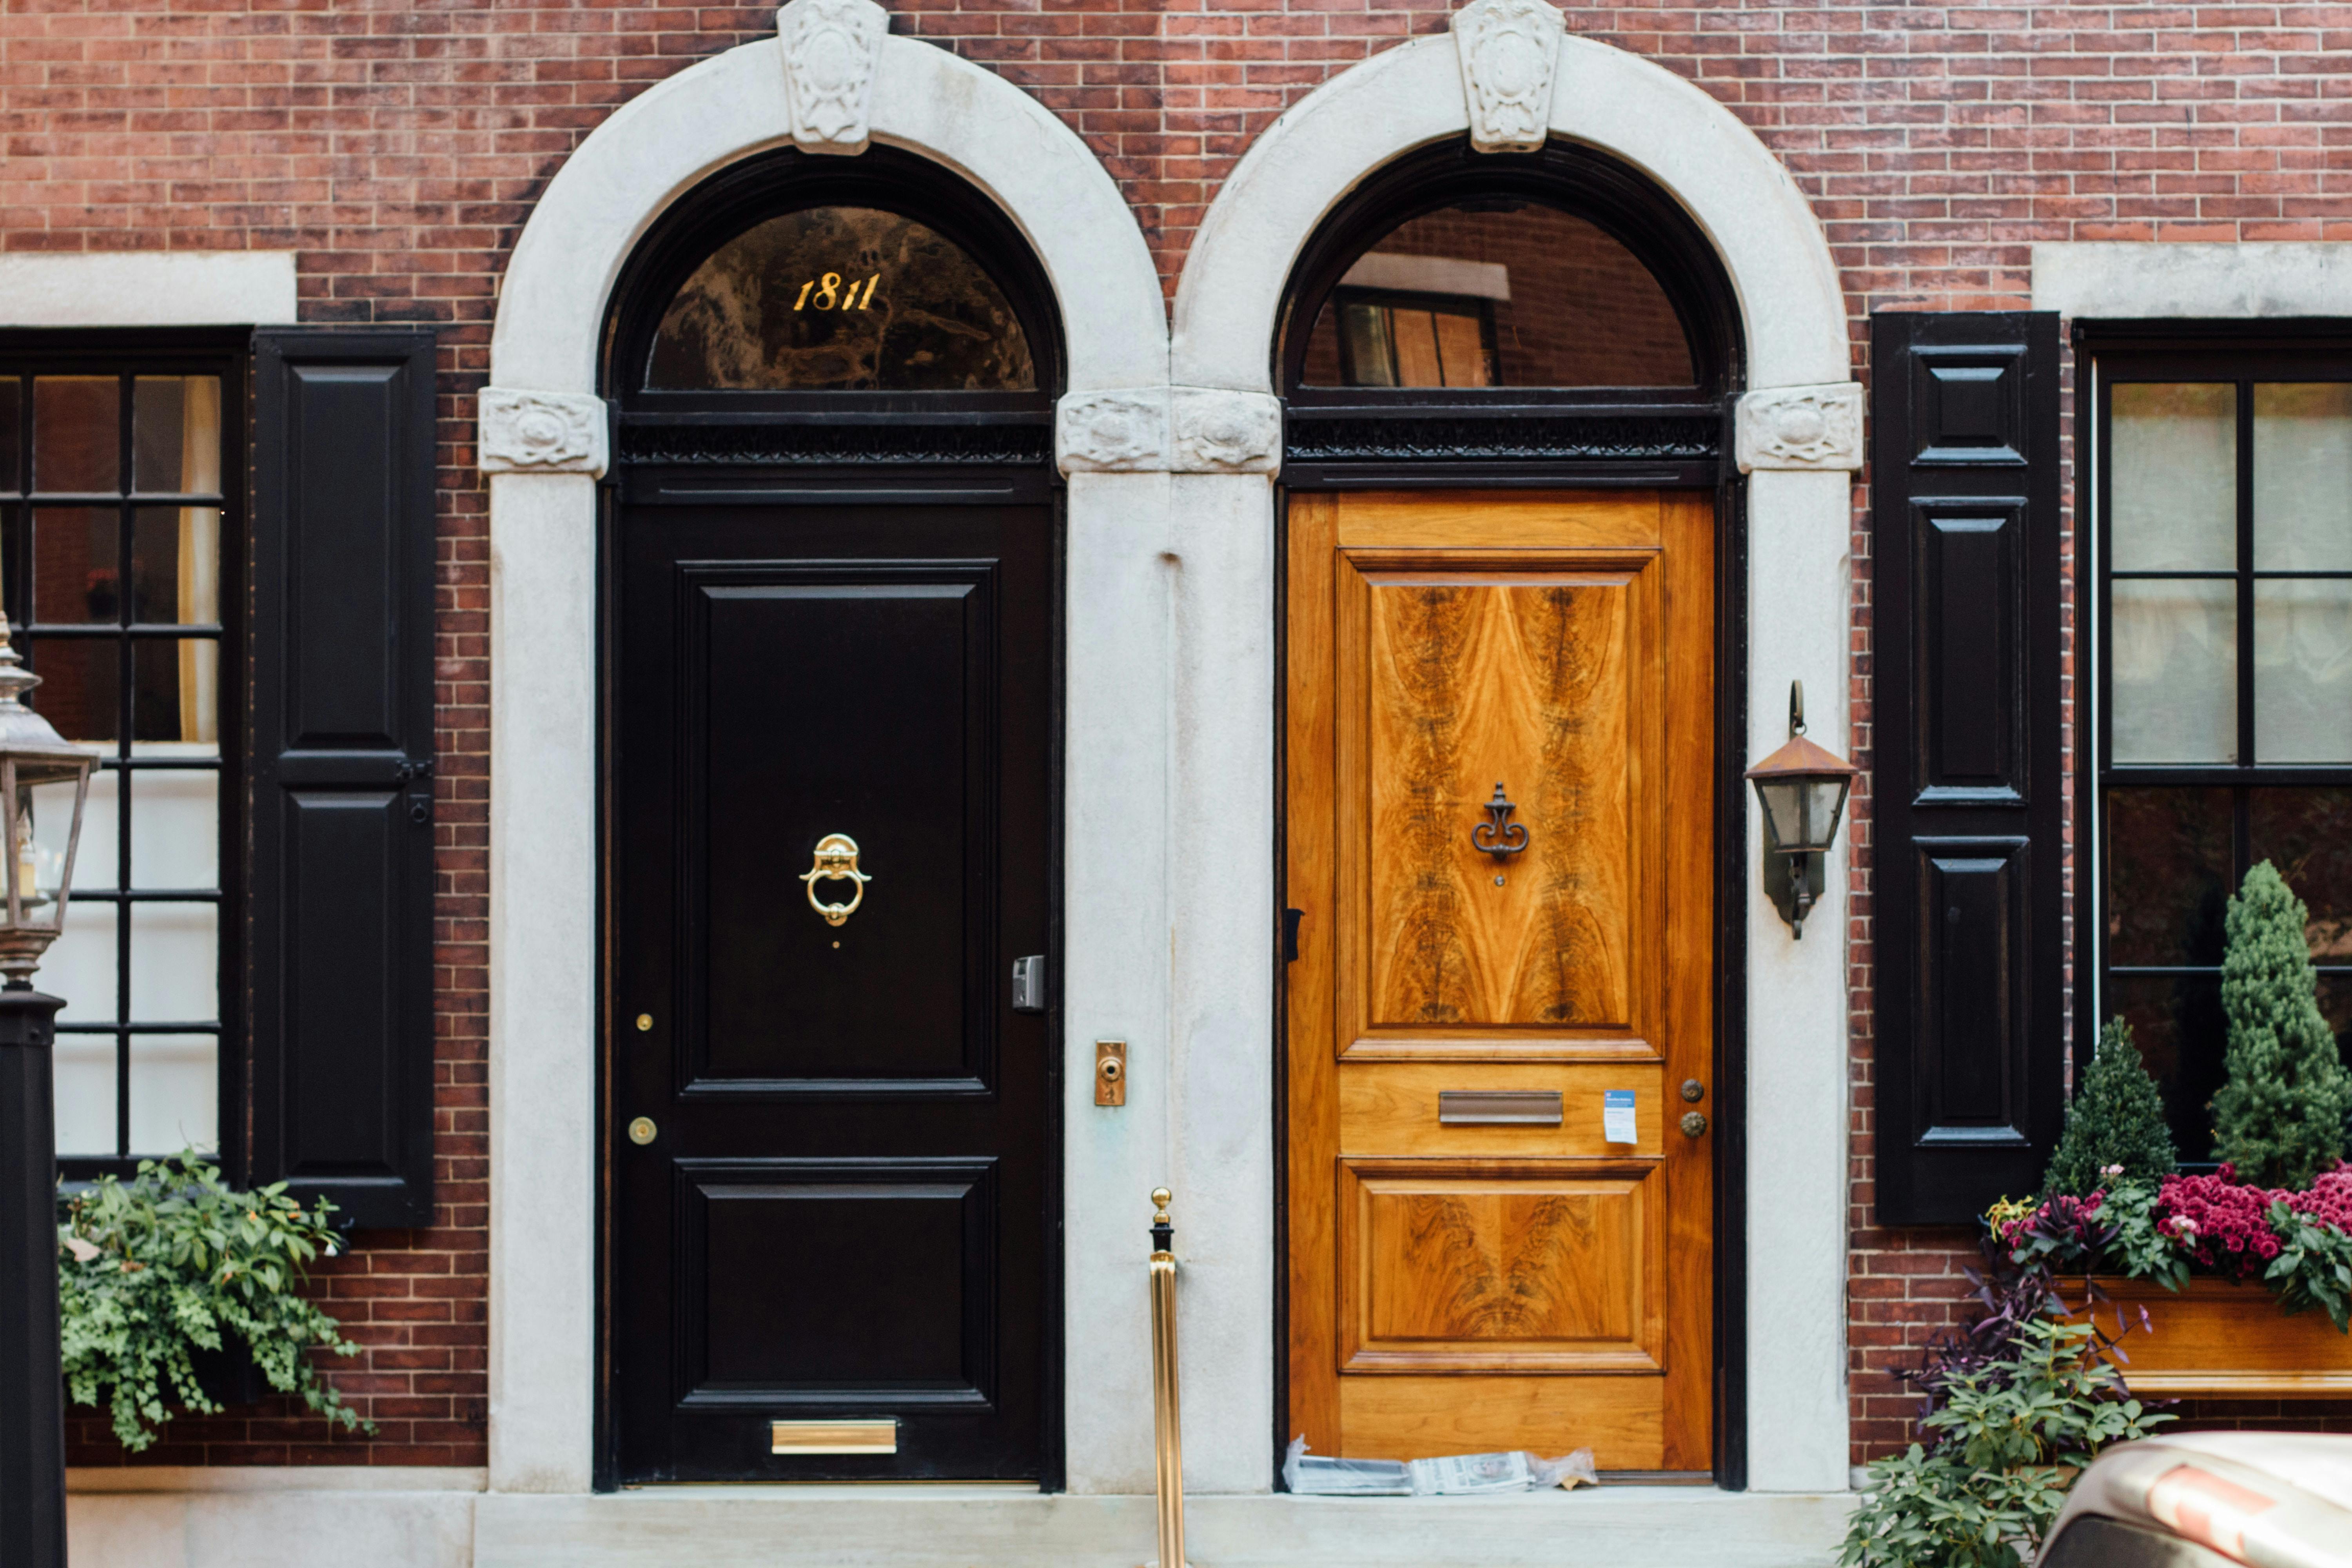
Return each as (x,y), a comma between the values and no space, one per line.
(398,148)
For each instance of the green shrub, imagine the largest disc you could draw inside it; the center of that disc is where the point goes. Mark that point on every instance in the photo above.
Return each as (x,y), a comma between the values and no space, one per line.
(2005,1442)
(2115,1120)
(152,1269)
(2279,1119)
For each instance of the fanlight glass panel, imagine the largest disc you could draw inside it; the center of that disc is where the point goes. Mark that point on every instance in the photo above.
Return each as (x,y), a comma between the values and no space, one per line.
(841,300)
(1497,296)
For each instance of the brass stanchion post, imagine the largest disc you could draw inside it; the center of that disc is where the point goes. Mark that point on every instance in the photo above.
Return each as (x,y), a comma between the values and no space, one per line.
(1168,1439)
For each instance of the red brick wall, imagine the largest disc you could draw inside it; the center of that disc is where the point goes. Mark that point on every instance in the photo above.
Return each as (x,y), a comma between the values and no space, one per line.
(398,147)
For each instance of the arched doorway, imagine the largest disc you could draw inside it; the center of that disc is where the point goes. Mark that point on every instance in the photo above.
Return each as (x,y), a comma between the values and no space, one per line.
(1506,379)
(830,630)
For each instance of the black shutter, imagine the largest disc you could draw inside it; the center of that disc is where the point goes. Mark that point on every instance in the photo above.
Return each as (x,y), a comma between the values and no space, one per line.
(338,732)
(1967,814)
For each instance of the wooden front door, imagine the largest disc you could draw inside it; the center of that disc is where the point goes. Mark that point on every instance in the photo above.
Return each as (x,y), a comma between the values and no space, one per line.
(1500,1230)
(830,1133)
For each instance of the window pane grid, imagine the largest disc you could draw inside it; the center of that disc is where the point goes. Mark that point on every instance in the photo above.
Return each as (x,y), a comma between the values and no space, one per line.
(2205,508)
(147,555)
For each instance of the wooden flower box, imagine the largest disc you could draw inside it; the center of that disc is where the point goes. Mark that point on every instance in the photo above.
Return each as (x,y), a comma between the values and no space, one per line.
(2217,1340)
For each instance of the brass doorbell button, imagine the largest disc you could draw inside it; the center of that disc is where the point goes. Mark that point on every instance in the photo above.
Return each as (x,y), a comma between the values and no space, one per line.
(1110,1072)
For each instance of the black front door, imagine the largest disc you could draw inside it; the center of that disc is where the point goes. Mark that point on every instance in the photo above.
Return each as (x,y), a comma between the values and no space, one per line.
(829,1126)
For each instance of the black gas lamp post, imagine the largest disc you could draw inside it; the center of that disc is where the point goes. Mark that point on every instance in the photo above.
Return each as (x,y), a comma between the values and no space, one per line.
(45,782)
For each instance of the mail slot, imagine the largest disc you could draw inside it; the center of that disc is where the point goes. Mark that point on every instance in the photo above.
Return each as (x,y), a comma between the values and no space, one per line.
(833,1436)
(1517,1107)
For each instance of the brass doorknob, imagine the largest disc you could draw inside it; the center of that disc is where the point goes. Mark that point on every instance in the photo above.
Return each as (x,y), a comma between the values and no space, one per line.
(642,1132)
(1693,1123)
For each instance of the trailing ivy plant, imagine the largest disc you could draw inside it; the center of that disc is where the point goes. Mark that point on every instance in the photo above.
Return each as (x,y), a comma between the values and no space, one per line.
(153,1269)
(2016,1406)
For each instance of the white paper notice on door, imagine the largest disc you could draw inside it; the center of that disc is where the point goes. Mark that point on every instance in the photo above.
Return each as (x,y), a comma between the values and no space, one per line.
(1617,1116)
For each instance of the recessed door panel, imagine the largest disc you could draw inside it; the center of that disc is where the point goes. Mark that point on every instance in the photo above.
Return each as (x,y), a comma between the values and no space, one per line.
(1499,835)
(1495,1266)
(905,1249)
(1508,684)
(847,700)
(828,1127)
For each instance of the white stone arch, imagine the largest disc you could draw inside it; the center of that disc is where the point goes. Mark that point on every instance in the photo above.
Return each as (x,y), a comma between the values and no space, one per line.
(1230,298)
(1504,74)
(542,440)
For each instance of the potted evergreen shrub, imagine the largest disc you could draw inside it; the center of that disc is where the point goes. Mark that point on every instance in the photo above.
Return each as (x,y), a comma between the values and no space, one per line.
(2209,1261)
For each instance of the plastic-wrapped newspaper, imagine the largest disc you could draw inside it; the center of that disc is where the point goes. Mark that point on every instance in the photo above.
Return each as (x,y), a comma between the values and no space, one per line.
(1454,1475)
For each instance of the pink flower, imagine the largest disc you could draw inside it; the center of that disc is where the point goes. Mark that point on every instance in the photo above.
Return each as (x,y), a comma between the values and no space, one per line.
(2223,1225)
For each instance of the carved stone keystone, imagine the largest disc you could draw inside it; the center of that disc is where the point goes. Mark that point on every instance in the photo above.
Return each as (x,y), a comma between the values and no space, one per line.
(831,49)
(1510,50)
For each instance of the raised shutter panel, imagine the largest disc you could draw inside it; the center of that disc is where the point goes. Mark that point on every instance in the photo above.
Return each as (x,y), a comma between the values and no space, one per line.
(337,949)
(1968,820)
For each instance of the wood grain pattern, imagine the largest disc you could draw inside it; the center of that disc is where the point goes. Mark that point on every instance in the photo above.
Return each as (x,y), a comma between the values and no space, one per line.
(1464,1288)
(2218,1339)
(1491,1266)
(1617,1417)
(1500,519)
(1392,1109)
(1482,679)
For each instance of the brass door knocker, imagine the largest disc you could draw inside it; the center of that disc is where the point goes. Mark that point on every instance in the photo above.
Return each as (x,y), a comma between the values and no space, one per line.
(837,860)
(1499,835)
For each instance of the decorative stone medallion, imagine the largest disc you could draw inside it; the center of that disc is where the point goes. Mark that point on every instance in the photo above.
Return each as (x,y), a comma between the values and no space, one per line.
(1224,432)
(831,49)
(1508,49)
(1183,430)
(1800,427)
(1111,432)
(539,432)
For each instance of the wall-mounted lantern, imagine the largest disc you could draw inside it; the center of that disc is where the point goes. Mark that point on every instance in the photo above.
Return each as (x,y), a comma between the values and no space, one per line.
(1802,789)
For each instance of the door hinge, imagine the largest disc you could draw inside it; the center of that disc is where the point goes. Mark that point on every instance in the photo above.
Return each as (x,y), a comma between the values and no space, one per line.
(1290,919)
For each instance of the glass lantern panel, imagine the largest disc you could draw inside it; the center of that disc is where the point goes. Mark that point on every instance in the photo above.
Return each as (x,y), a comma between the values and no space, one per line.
(1823,800)
(1783,810)
(48,828)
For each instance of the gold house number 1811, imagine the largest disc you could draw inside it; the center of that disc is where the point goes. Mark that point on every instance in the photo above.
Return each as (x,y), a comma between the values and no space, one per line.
(826,293)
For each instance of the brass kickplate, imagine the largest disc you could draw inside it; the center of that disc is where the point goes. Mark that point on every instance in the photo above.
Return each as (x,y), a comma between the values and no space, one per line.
(833,1436)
